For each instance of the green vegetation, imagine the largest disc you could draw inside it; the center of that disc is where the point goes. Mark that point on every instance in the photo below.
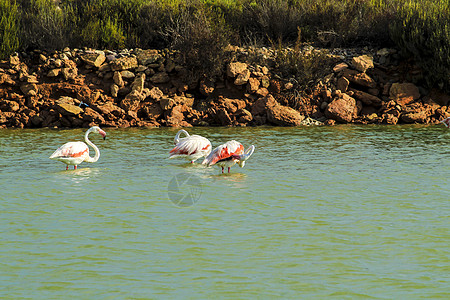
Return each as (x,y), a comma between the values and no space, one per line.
(200,28)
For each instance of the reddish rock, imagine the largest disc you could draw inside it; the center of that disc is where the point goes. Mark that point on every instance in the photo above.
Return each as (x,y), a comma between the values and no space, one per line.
(94,59)
(223,117)
(262,92)
(29,89)
(68,109)
(155,93)
(340,67)
(361,79)
(138,83)
(342,84)
(415,117)
(152,111)
(175,116)
(330,122)
(111,110)
(252,85)
(188,101)
(131,101)
(390,119)
(260,106)
(342,109)
(244,116)
(6,105)
(404,93)
(284,116)
(236,68)
(91,115)
(242,78)
(367,98)
(362,63)
(167,103)
(206,87)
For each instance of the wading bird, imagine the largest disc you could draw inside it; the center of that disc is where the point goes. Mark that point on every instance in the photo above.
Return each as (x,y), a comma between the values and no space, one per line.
(446,122)
(192,147)
(228,154)
(74,153)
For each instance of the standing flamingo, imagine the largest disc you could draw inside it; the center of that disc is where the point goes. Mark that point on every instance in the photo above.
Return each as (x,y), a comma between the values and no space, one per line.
(74,153)
(446,122)
(191,147)
(228,154)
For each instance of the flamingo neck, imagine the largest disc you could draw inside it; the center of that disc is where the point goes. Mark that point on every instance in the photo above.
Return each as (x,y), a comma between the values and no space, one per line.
(97,151)
(177,137)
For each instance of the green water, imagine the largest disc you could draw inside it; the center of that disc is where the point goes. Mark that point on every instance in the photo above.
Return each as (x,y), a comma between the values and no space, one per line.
(320,212)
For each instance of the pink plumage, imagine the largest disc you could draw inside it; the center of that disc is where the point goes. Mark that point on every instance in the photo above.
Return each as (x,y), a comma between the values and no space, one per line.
(228,154)
(74,153)
(191,147)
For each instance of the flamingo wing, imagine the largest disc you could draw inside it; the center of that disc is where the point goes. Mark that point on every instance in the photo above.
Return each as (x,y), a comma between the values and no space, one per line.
(190,145)
(228,150)
(71,150)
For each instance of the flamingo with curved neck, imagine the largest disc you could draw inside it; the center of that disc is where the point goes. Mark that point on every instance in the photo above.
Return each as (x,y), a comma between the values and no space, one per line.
(74,153)
(228,154)
(192,147)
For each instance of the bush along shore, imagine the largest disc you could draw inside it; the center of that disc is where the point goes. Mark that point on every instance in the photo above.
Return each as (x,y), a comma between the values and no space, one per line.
(134,88)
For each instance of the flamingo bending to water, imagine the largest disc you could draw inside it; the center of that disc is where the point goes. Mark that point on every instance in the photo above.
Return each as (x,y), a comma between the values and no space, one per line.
(446,122)
(228,154)
(74,153)
(192,147)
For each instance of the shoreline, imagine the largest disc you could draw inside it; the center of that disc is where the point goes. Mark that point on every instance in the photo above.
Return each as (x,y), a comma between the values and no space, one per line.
(77,88)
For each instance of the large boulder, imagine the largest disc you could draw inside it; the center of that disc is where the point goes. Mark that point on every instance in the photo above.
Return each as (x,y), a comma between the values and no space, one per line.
(67,109)
(362,63)
(147,57)
(131,101)
(367,98)
(260,106)
(358,78)
(404,93)
(123,63)
(236,68)
(94,59)
(284,116)
(138,83)
(342,109)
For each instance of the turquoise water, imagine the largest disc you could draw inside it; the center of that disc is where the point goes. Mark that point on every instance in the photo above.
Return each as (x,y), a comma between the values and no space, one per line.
(317,212)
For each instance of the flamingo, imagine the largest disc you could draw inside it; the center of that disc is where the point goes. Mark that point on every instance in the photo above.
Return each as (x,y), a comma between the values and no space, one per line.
(74,153)
(228,154)
(446,122)
(191,147)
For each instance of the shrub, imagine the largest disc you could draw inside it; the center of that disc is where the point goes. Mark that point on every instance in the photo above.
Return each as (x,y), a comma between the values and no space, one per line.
(43,26)
(9,27)
(423,32)
(200,35)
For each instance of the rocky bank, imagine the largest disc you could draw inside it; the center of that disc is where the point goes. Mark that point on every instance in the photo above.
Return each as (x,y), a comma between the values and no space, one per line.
(80,88)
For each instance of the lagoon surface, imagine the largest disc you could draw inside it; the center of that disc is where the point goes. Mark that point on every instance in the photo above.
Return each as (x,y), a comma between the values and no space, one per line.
(317,212)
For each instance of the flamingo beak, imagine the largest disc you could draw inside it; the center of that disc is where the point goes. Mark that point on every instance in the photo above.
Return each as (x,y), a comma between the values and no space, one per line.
(103,134)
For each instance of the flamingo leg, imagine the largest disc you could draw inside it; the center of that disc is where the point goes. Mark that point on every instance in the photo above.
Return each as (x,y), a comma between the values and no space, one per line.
(222,170)
(229,168)
(75,167)
(67,167)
